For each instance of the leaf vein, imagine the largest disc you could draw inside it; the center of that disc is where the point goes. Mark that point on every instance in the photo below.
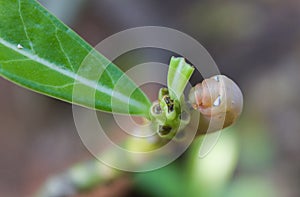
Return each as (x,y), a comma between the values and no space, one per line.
(60,86)
(14,60)
(60,69)
(24,26)
(62,49)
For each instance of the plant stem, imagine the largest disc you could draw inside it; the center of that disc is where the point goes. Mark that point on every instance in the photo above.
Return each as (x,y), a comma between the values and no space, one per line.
(87,175)
(168,111)
(168,115)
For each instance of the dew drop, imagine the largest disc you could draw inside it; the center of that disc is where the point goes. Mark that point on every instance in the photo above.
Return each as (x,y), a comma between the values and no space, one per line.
(217,102)
(20,46)
(216,78)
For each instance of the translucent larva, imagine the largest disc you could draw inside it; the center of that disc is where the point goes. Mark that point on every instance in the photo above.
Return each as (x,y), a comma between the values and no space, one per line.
(217,98)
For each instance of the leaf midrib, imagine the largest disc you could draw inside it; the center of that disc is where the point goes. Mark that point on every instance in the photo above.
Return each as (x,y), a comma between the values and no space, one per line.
(119,96)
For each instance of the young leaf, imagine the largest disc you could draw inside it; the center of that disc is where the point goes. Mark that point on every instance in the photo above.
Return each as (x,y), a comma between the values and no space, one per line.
(39,52)
(178,76)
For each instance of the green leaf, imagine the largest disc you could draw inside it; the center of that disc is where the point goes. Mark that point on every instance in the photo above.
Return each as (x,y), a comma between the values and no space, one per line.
(166,181)
(39,52)
(179,75)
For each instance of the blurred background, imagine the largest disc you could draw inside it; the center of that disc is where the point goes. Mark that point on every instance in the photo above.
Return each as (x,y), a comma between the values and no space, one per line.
(256,43)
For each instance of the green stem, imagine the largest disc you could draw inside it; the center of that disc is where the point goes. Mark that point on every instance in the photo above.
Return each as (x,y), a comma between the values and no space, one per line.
(87,175)
(168,115)
(168,111)
(79,178)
